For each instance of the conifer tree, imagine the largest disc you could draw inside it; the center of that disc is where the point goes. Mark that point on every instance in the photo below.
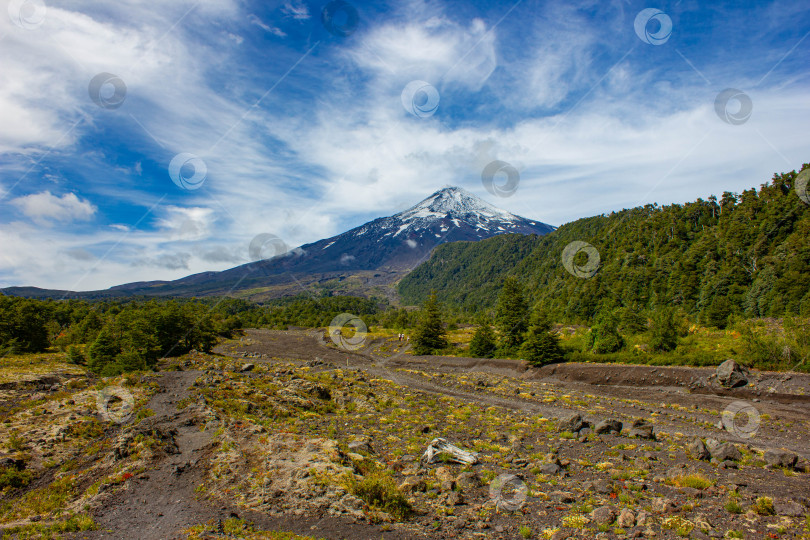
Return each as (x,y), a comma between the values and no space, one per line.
(429,335)
(484,342)
(542,346)
(512,314)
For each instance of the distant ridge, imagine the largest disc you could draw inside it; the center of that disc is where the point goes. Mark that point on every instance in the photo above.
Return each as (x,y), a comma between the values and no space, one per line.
(376,254)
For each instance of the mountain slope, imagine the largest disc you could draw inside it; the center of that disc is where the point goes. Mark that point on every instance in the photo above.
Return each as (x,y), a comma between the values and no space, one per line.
(745,254)
(379,252)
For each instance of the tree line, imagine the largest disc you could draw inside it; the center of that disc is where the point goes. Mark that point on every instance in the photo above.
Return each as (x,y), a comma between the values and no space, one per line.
(716,261)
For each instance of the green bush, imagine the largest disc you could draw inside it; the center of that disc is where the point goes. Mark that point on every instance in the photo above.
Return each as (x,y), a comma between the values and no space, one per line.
(484,342)
(378,489)
(14,478)
(604,337)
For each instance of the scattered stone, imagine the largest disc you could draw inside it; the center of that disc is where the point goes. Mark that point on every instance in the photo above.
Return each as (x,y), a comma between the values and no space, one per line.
(550,468)
(468,481)
(725,452)
(626,519)
(247,367)
(604,515)
(662,505)
(413,484)
(731,375)
(454,498)
(780,458)
(562,497)
(608,426)
(573,424)
(443,474)
(361,446)
(642,429)
(788,508)
(698,450)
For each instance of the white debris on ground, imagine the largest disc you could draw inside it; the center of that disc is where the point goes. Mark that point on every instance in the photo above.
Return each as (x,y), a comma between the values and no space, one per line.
(457,455)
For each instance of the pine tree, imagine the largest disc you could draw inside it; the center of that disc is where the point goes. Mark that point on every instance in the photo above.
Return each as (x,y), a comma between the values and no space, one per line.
(604,337)
(484,342)
(664,330)
(542,346)
(103,351)
(512,314)
(428,336)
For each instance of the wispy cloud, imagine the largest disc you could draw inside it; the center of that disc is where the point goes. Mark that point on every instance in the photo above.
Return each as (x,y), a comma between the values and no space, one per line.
(304,134)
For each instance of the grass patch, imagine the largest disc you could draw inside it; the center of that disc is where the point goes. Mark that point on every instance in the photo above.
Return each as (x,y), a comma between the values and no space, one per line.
(696,481)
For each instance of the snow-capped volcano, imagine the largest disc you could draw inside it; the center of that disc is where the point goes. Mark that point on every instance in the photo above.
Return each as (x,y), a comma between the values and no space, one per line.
(450,212)
(461,206)
(388,247)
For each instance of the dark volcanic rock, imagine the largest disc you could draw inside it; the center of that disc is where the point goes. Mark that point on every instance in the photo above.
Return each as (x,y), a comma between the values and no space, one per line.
(642,429)
(780,458)
(608,426)
(731,374)
(698,450)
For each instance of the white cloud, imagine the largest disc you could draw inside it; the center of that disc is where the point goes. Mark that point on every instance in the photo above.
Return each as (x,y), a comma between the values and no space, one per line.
(355,153)
(45,207)
(184,224)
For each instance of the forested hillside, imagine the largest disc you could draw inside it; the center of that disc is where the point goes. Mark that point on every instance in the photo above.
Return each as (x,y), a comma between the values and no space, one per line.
(745,254)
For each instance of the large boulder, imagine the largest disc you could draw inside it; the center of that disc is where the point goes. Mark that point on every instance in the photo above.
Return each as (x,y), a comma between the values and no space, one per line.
(608,426)
(698,450)
(642,430)
(788,508)
(731,374)
(780,458)
(725,452)
(574,425)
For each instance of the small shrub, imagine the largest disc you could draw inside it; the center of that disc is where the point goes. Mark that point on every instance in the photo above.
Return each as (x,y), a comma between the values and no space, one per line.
(525,531)
(764,506)
(379,490)
(14,478)
(733,507)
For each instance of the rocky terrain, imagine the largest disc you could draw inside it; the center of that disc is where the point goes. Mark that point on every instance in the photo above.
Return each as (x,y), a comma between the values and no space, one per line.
(285,431)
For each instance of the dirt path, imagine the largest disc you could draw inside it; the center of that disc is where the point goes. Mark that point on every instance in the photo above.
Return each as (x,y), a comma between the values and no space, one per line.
(162,503)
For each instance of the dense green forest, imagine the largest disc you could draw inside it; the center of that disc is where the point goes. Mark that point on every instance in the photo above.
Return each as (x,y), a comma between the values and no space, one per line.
(111,337)
(742,256)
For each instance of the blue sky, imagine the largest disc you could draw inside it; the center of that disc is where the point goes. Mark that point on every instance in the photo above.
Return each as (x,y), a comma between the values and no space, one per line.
(302,131)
